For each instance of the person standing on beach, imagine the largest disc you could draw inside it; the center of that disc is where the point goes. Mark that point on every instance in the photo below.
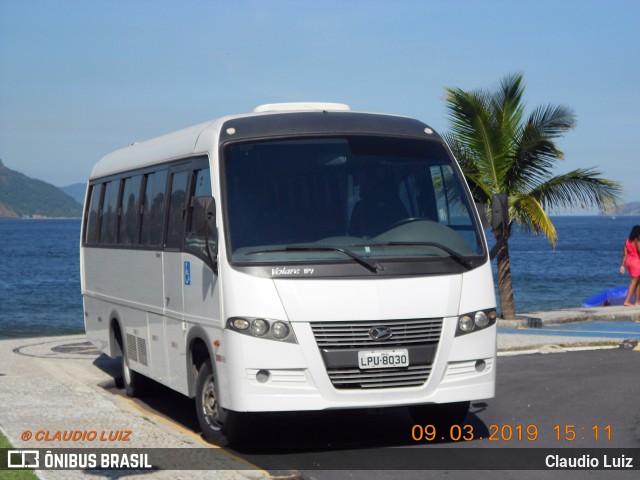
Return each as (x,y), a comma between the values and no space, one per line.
(631,259)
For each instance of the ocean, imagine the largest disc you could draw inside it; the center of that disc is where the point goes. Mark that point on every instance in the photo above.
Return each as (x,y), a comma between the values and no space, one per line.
(40,277)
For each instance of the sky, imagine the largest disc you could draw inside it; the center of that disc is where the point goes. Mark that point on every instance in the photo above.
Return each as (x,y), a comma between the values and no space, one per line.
(79,79)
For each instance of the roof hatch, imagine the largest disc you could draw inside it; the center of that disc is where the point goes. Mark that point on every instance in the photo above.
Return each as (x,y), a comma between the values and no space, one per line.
(297,106)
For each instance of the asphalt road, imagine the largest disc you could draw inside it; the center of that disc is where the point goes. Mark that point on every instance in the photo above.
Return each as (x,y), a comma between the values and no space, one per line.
(578,400)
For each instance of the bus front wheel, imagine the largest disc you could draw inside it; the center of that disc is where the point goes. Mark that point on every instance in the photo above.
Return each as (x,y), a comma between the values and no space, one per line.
(218,425)
(135,384)
(133,381)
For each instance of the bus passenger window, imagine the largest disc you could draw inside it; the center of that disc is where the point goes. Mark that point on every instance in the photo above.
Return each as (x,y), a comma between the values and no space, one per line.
(195,235)
(93,225)
(129,217)
(109,213)
(177,208)
(153,208)
(203,183)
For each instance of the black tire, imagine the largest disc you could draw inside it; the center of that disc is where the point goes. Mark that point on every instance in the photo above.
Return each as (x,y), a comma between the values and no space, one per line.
(440,415)
(219,426)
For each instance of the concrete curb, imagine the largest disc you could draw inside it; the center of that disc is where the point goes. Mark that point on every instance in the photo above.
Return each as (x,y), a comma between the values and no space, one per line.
(556,317)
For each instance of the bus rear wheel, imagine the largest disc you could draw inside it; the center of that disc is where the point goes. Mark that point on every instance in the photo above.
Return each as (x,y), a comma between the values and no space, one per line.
(219,426)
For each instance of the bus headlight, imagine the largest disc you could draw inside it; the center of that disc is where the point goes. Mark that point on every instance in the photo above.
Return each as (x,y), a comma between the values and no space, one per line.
(465,323)
(475,321)
(481,319)
(259,327)
(278,330)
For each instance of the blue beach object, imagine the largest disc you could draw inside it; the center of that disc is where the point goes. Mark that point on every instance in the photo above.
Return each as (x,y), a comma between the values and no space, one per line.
(610,296)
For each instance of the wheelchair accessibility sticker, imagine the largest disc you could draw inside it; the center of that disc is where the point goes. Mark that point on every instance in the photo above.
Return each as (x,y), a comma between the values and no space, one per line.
(187,273)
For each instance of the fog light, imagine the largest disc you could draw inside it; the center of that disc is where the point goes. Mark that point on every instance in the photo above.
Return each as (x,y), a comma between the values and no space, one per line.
(259,327)
(263,376)
(465,323)
(240,323)
(480,365)
(492,315)
(279,330)
(481,319)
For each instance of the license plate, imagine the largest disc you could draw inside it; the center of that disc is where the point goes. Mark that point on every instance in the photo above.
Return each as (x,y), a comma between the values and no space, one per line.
(383,358)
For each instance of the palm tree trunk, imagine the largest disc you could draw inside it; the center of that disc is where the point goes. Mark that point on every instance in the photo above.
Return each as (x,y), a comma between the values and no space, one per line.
(505,285)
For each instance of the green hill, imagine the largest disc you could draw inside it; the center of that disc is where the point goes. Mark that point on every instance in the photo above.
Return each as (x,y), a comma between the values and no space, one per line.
(21,196)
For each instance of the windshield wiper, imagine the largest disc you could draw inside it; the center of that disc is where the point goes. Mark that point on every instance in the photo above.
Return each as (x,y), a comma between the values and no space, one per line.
(461,259)
(372,267)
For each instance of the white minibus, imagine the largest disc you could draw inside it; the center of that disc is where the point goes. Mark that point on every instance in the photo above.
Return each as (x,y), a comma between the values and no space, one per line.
(299,257)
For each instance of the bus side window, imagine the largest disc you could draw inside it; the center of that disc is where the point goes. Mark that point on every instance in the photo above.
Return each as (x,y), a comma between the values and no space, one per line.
(153,208)
(109,212)
(195,234)
(129,217)
(93,224)
(177,208)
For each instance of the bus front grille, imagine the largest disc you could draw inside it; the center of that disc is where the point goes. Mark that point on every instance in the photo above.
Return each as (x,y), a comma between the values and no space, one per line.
(350,378)
(357,334)
(339,343)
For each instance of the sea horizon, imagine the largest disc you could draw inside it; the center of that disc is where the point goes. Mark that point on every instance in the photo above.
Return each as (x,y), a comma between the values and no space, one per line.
(40,270)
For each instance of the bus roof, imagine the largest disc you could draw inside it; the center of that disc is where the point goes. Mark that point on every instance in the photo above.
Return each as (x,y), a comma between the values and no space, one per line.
(272,120)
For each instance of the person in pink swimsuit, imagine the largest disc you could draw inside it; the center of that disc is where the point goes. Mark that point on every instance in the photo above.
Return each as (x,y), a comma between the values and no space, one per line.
(631,259)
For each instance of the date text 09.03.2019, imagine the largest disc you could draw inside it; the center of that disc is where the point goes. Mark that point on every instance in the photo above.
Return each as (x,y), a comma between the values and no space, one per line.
(507,433)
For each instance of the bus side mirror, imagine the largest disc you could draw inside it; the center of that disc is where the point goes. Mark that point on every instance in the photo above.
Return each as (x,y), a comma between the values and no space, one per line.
(499,209)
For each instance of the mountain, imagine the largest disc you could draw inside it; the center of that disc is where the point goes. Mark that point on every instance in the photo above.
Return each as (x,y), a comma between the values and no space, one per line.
(21,196)
(631,209)
(76,191)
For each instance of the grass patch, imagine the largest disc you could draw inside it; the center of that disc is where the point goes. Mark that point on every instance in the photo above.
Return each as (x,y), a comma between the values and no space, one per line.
(14,474)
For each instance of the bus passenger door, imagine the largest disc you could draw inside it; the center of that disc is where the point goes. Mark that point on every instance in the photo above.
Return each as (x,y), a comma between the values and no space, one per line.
(201,292)
(174,277)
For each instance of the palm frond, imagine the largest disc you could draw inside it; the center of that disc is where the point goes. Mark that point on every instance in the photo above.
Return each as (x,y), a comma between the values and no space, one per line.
(534,160)
(474,126)
(536,152)
(531,217)
(480,190)
(508,109)
(553,120)
(582,188)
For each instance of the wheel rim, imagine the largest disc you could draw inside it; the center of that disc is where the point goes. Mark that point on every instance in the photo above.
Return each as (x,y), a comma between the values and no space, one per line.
(210,406)
(126,373)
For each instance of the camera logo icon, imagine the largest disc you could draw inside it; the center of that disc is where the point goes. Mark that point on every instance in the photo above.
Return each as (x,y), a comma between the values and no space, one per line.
(23,459)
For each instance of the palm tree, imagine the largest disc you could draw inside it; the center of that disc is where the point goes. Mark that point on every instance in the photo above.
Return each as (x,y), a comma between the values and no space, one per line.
(503,152)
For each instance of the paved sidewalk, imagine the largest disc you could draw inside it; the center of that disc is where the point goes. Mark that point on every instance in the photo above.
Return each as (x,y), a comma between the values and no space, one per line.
(53,384)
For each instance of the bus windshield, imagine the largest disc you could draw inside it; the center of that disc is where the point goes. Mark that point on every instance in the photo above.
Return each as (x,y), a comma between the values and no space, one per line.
(345,198)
